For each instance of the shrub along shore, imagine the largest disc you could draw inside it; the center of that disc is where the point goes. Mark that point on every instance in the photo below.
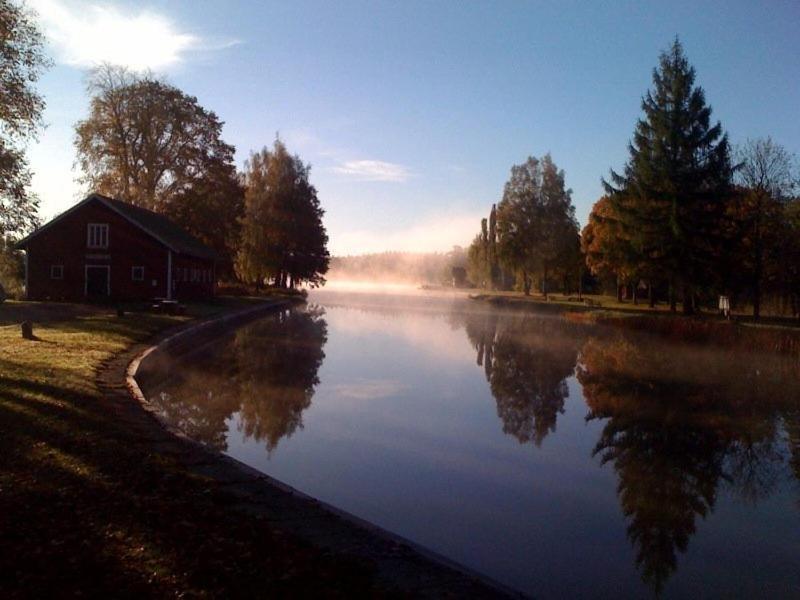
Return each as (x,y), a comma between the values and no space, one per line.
(97,499)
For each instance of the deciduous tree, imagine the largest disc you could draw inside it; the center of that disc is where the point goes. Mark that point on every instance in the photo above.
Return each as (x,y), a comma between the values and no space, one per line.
(765,172)
(534,219)
(283,237)
(148,143)
(22,61)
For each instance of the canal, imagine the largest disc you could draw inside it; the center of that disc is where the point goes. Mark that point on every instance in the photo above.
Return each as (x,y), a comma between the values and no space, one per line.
(557,458)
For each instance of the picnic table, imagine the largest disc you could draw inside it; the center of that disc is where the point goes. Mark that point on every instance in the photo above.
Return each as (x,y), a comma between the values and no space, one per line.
(171,307)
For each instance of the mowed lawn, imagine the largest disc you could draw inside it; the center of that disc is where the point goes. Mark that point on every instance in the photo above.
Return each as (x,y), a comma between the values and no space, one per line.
(87,503)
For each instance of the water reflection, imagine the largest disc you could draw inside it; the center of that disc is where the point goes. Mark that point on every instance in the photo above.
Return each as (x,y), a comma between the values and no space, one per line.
(267,378)
(684,432)
(679,421)
(527,361)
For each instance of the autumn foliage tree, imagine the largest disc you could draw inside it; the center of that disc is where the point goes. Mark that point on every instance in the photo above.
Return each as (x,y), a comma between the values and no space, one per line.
(148,143)
(607,249)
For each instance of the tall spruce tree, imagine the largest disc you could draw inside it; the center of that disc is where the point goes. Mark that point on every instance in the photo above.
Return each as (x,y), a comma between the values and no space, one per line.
(671,195)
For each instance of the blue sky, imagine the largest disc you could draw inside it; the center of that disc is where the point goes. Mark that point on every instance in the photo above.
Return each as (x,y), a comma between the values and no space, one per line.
(412,113)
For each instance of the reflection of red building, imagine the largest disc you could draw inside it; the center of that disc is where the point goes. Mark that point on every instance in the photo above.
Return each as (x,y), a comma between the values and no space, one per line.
(102,248)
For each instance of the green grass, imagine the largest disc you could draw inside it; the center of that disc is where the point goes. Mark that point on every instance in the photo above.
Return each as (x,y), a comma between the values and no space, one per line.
(87,504)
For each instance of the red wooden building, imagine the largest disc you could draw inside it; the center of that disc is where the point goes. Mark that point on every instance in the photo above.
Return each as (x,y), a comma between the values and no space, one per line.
(103,249)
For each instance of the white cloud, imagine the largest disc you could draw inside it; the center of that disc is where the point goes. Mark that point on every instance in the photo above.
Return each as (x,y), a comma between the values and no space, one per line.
(85,35)
(373,170)
(436,233)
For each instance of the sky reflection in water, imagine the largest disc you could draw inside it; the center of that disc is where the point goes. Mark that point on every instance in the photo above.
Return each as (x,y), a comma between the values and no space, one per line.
(558,459)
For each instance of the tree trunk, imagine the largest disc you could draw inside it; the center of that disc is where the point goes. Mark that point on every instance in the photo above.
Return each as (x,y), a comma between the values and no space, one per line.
(687,301)
(758,259)
(619,290)
(544,281)
(634,294)
(580,286)
(672,298)
(757,287)
(651,299)
(526,283)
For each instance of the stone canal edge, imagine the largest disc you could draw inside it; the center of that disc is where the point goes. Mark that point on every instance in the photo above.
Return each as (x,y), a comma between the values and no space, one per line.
(398,563)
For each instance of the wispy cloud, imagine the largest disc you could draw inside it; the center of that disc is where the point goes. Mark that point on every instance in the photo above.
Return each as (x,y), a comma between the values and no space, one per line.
(85,35)
(370,389)
(373,170)
(436,233)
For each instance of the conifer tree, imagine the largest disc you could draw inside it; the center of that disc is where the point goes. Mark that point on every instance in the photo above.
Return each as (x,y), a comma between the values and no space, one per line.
(671,195)
(494,266)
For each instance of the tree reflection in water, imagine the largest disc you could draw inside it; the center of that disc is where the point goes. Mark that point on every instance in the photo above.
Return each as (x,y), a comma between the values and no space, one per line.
(682,425)
(527,361)
(679,421)
(268,377)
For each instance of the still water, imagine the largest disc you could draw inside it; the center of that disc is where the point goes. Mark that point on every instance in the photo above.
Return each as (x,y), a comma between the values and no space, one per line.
(559,459)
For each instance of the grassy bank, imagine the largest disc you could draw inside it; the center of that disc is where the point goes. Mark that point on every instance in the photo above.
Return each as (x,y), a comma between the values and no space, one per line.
(781,335)
(86,503)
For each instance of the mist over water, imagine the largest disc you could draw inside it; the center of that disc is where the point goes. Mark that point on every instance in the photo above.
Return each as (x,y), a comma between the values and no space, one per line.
(559,459)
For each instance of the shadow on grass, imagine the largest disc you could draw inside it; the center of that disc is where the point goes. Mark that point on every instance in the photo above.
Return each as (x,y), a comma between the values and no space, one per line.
(88,506)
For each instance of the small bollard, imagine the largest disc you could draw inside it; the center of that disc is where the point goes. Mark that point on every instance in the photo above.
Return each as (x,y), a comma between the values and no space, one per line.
(27,330)
(120,311)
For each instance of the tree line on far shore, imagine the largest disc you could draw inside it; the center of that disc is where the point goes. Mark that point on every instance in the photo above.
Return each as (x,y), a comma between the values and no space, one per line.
(688,219)
(146,142)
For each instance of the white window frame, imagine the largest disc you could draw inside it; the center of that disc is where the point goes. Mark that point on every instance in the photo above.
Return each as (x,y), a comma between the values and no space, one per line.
(97,235)
(140,269)
(56,269)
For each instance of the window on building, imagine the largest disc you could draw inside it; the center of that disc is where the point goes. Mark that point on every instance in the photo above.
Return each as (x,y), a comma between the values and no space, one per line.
(137,273)
(97,235)
(57,272)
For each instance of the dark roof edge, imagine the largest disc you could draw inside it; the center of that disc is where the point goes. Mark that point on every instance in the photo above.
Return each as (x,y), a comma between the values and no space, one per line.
(133,221)
(24,241)
(104,201)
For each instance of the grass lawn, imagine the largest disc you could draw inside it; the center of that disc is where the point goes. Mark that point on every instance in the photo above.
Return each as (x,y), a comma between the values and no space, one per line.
(87,505)
(601,303)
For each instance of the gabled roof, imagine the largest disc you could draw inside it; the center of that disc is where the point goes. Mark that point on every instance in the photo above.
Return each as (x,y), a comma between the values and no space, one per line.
(157,226)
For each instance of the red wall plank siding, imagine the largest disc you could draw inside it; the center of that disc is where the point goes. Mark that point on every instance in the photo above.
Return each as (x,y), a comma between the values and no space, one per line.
(65,243)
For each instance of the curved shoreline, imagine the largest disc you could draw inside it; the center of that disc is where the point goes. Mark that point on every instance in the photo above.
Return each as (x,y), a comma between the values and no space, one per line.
(399,563)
